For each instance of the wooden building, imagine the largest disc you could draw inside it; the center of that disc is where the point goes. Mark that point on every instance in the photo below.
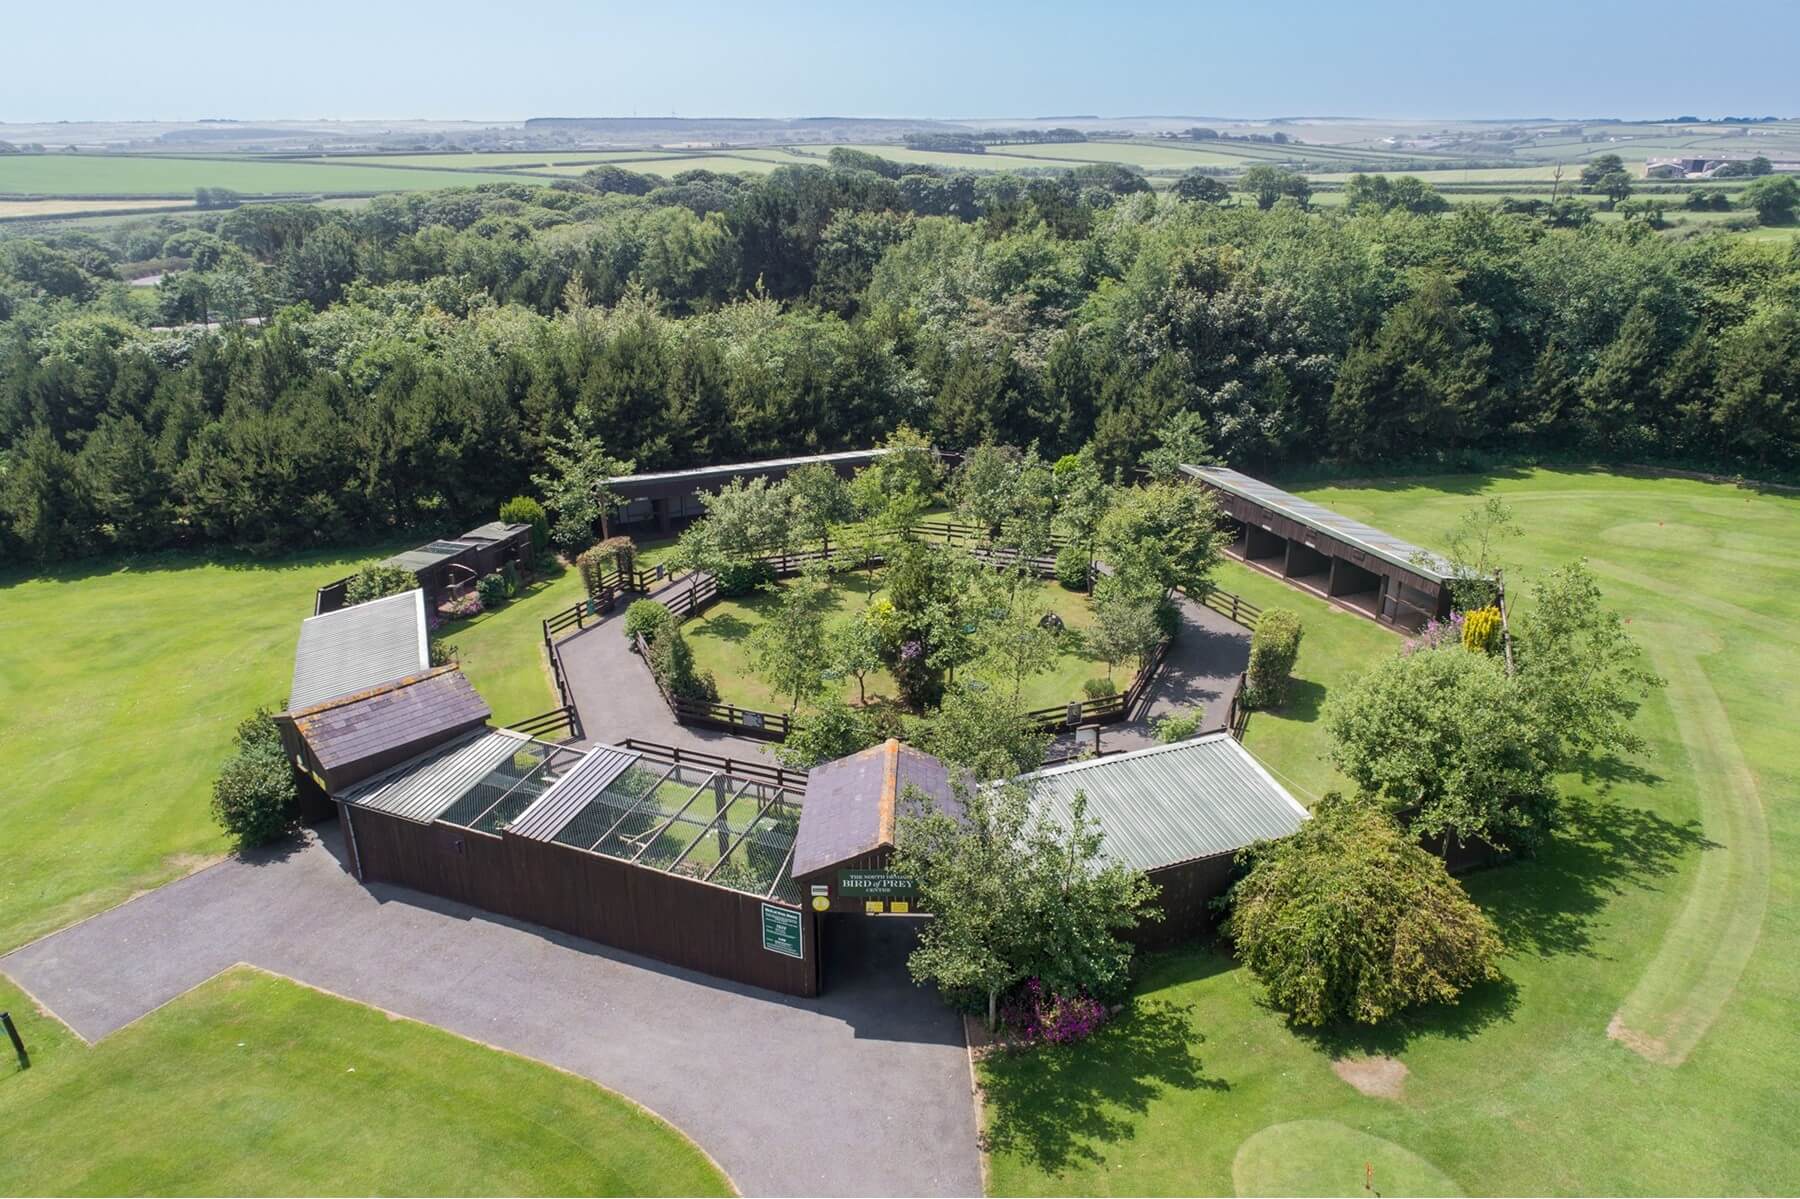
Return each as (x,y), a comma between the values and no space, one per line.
(447,566)
(664,497)
(1178,812)
(1341,560)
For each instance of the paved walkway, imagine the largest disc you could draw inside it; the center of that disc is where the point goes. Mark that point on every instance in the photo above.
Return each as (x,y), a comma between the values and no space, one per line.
(1200,672)
(864,1091)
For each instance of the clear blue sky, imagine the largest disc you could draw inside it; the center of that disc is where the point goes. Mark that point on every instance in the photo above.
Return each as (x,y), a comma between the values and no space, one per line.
(108,60)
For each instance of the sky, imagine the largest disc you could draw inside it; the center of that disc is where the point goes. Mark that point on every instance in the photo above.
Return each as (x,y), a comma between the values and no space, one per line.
(455,59)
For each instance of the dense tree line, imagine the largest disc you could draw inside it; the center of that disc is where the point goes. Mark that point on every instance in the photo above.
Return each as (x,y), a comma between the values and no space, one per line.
(411,362)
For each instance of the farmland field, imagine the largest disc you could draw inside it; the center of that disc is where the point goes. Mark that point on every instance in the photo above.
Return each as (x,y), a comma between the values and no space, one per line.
(1662,914)
(120,175)
(42,208)
(670,165)
(478,160)
(253,1085)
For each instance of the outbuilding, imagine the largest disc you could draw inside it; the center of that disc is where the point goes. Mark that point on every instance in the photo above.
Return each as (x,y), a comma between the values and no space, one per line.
(667,496)
(1340,559)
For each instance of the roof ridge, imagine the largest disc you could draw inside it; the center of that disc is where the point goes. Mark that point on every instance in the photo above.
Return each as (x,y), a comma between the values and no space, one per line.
(356,697)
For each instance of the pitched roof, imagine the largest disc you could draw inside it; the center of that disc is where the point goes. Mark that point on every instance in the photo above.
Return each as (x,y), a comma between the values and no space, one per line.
(851,804)
(568,795)
(494,530)
(424,787)
(356,648)
(413,713)
(1385,546)
(1172,803)
(427,555)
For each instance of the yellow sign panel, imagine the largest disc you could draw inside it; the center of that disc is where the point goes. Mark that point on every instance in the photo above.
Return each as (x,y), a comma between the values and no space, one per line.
(874,907)
(821,903)
(900,907)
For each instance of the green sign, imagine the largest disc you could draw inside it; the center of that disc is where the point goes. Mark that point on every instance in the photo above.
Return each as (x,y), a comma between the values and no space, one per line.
(876,884)
(781,931)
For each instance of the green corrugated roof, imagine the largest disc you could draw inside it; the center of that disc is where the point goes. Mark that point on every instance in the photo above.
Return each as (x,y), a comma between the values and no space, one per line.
(1172,803)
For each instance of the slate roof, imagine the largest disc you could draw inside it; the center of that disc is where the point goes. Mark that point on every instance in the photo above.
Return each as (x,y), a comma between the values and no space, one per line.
(413,713)
(356,648)
(1385,546)
(424,787)
(1172,803)
(851,803)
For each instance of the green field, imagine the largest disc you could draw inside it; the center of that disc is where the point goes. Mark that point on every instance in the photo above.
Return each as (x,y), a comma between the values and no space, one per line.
(720,637)
(119,690)
(253,1085)
(1663,913)
(120,175)
(479,160)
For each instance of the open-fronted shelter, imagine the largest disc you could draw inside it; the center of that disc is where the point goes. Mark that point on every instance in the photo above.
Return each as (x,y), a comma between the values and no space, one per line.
(670,495)
(447,564)
(1341,559)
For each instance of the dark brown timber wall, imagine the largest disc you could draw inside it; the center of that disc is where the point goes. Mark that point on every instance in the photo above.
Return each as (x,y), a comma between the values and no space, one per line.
(681,921)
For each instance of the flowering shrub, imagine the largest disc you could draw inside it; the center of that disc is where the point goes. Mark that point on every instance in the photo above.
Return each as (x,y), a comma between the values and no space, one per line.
(462,607)
(1037,1014)
(1481,630)
(1437,634)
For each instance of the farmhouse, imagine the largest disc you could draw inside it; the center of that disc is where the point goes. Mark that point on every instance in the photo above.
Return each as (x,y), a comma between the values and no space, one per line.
(1345,561)
(671,495)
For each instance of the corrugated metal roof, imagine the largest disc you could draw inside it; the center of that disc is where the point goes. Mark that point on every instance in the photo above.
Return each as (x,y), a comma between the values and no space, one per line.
(415,711)
(730,469)
(1333,524)
(423,788)
(552,810)
(1173,803)
(356,648)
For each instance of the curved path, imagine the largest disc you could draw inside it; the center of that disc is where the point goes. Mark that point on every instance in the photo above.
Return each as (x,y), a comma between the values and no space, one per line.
(865,1091)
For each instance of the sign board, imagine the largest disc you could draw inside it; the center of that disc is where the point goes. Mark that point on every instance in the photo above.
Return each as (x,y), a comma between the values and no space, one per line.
(781,931)
(875,884)
(752,720)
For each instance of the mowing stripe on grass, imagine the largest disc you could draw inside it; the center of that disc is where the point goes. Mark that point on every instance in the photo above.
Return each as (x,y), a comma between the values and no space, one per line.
(1703,954)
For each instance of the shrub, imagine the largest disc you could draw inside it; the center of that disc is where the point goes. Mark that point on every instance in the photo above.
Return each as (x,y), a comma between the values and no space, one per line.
(1072,567)
(1038,1014)
(510,572)
(835,730)
(741,578)
(442,652)
(492,589)
(1168,618)
(1178,727)
(255,798)
(523,510)
(1481,630)
(672,662)
(1349,919)
(462,607)
(1099,688)
(648,617)
(1273,648)
(375,581)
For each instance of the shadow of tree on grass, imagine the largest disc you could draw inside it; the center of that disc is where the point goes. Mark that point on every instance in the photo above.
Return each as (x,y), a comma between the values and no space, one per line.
(1052,1105)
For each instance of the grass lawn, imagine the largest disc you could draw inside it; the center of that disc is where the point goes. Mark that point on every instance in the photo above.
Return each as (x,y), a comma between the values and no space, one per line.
(720,637)
(502,651)
(1663,911)
(253,1085)
(120,686)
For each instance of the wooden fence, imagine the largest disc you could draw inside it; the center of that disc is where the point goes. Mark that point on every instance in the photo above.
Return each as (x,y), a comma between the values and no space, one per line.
(1233,607)
(564,719)
(745,722)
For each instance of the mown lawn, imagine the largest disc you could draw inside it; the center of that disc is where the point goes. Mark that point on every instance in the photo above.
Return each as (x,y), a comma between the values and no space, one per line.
(253,1085)
(120,685)
(1664,910)
(720,637)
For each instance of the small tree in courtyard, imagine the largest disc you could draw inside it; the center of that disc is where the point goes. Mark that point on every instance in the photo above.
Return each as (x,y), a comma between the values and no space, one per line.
(833,731)
(854,647)
(1349,919)
(817,501)
(1013,895)
(576,486)
(789,647)
(983,733)
(1126,627)
(256,798)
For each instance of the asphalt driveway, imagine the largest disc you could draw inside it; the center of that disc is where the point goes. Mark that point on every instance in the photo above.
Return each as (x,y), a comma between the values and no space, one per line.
(864,1091)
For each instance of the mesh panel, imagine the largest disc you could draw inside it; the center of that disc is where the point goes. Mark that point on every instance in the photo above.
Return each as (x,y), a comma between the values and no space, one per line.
(614,802)
(760,860)
(653,811)
(529,757)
